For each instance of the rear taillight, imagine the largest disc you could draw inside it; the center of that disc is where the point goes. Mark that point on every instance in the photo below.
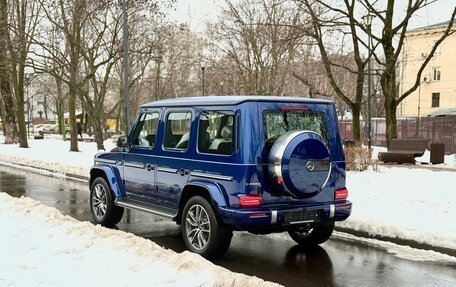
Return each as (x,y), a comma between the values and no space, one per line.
(341,194)
(251,201)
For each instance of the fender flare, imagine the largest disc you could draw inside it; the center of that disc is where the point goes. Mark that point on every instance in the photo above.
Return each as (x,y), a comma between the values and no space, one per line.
(215,191)
(112,176)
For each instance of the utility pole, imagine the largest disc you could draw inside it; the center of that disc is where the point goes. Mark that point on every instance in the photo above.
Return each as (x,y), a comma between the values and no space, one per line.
(125,62)
(368,22)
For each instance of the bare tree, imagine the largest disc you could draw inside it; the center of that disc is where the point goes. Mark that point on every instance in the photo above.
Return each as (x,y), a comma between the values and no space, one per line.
(327,27)
(259,38)
(343,16)
(24,17)
(392,48)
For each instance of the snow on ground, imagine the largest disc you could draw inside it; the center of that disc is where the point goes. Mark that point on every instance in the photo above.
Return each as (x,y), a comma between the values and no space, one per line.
(404,202)
(53,153)
(41,247)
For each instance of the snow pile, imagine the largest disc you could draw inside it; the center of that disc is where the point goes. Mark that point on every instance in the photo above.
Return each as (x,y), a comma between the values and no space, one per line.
(408,203)
(449,160)
(405,252)
(42,247)
(53,151)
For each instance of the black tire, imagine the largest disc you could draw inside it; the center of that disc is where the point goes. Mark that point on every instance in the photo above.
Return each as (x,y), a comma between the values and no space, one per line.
(316,234)
(215,238)
(102,207)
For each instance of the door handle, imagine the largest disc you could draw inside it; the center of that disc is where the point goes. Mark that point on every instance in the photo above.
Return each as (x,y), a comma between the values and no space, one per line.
(182,171)
(149,167)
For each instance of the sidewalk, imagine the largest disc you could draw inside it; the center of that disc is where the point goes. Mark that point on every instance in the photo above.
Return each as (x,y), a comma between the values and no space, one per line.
(403,204)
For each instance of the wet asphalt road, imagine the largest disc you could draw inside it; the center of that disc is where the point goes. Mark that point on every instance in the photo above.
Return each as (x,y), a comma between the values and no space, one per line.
(336,263)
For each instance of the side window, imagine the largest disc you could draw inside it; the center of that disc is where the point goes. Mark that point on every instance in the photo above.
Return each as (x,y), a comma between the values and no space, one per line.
(177,133)
(146,130)
(216,133)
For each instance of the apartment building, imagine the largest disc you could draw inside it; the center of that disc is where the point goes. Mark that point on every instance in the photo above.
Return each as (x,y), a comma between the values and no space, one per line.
(437,90)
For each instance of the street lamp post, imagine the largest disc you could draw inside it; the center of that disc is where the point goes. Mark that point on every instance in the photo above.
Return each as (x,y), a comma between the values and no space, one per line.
(28,78)
(368,22)
(203,67)
(28,108)
(419,107)
(125,62)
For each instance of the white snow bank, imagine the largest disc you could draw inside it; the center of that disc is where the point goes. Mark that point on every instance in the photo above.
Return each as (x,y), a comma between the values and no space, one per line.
(405,252)
(408,203)
(53,151)
(402,251)
(41,247)
(449,159)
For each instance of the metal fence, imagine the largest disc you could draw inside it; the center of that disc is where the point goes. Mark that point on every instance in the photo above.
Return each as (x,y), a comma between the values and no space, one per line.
(440,129)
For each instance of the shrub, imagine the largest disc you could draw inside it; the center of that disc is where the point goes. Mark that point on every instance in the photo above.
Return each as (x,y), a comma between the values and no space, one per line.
(359,158)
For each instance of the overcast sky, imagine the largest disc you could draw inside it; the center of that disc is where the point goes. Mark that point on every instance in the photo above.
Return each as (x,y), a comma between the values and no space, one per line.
(197,12)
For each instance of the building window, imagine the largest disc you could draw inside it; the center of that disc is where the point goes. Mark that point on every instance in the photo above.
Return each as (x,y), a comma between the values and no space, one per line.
(436,74)
(435,100)
(438,50)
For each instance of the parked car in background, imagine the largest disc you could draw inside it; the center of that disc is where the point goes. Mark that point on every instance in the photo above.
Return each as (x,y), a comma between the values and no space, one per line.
(51,129)
(220,164)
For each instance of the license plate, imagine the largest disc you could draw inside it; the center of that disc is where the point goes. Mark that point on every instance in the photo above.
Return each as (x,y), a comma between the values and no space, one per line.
(302,216)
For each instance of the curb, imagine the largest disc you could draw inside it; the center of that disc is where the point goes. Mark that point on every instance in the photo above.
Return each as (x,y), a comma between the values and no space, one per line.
(46,171)
(398,241)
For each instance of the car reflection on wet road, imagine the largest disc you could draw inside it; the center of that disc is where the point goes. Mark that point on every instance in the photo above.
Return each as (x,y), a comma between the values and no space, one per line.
(336,263)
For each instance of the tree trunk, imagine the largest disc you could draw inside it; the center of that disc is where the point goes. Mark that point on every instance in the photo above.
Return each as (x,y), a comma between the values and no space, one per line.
(98,132)
(388,82)
(21,120)
(59,107)
(8,112)
(8,104)
(391,120)
(72,115)
(356,124)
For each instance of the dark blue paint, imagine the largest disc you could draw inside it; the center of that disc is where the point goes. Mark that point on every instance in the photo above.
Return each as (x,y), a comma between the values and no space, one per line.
(297,178)
(112,176)
(246,168)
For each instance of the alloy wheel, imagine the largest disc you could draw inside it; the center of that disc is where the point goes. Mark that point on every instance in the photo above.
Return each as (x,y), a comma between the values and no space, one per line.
(99,201)
(198,227)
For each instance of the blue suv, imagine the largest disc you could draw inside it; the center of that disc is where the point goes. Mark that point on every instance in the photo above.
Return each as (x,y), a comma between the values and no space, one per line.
(218,164)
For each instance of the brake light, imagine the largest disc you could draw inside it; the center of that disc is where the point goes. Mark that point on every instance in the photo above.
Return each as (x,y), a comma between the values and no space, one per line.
(251,201)
(294,109)
(341,194)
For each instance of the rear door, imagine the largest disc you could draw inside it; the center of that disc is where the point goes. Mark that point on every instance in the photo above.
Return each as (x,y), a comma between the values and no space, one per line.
(173,162)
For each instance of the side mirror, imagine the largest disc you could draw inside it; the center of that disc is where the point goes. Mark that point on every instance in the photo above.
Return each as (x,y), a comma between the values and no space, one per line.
(122,142)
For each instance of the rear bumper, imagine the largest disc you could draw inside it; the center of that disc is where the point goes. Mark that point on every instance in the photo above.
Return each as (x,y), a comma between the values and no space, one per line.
(284,218)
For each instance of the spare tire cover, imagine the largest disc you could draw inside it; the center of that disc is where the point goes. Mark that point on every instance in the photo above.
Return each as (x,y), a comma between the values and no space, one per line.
(299,163)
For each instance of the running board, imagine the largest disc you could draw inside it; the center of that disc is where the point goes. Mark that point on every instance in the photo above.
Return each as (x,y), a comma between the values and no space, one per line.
(149,208)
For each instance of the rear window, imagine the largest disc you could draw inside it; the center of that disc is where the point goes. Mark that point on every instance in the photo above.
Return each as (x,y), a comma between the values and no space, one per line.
(215,132)
(277,122)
